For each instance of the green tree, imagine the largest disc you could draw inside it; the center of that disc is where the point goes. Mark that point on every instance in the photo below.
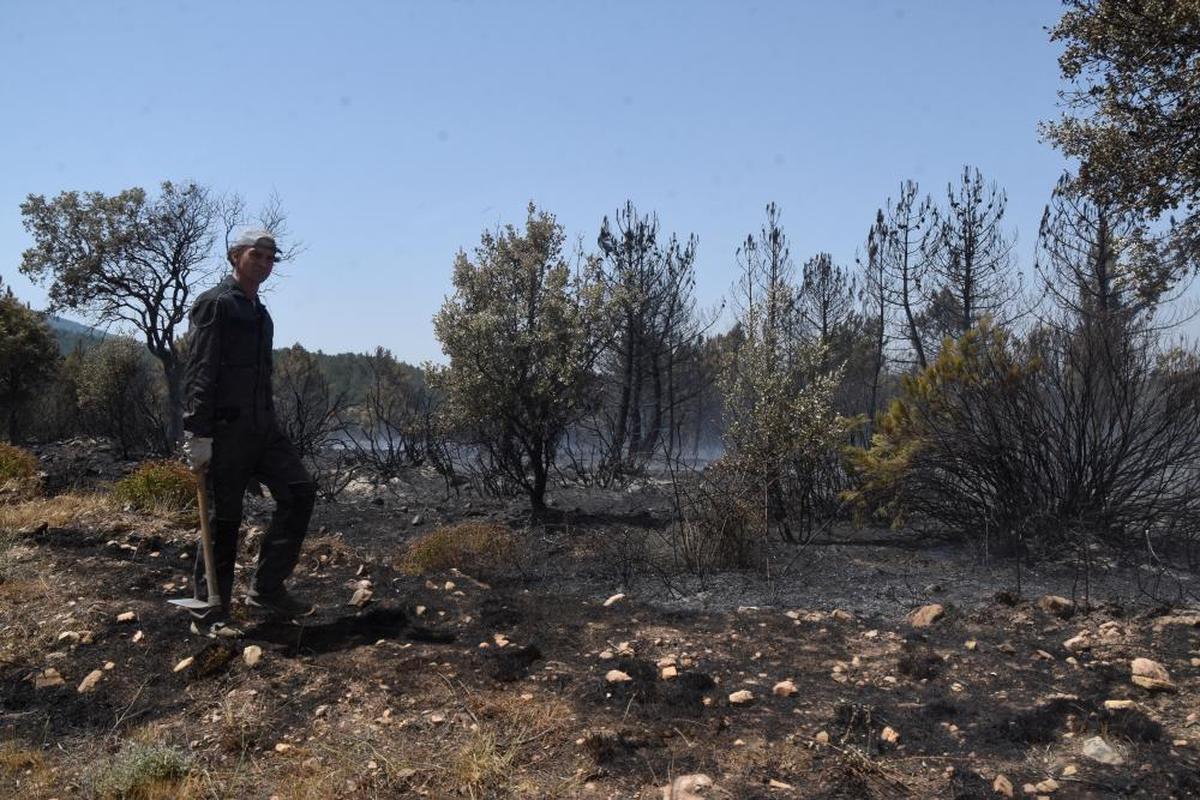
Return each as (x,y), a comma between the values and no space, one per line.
(121,396)
(1134,102)
(127,259)
(522,332)
(28,358)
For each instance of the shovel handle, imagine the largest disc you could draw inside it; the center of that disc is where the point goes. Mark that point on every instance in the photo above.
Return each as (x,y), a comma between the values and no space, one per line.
(206,543)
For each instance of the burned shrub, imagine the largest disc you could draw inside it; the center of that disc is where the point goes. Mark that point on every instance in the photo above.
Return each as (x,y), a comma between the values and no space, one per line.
(1064,437)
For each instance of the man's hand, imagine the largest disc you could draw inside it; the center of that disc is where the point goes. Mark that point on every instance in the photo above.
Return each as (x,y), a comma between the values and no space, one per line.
(198,450)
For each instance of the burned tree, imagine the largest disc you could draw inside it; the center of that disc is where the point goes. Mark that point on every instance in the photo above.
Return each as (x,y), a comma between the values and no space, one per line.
(969,258)
(903,226)
(648,287)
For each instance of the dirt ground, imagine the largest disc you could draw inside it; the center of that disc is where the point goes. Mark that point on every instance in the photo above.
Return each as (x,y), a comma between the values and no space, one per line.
(501,682)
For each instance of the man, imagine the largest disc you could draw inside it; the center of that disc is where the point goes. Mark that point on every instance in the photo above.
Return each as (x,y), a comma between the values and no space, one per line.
(232,436)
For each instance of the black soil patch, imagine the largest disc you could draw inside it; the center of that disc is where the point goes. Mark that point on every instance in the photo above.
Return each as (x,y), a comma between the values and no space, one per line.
(512,663)
(345,633)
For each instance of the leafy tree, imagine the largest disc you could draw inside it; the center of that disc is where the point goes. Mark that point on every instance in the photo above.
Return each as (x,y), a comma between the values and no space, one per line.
(522,333)
(128,259)
(121,396)
(28,358)
(1134,99)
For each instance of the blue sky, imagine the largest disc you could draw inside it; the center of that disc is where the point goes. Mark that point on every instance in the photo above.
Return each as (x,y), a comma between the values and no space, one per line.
(396,132)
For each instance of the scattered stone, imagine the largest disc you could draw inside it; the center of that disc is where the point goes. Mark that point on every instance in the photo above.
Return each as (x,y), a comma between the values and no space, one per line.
(668,673)
(785,689)
(822,738)
(889,735)
(1117,705)
(971,645)
(667,661)
(1078,643)
(926,615)
(182,665)
(612,601)
(616,676)
(1151,675)
(626,650)
(841,615)
(1054,604)
(361,597)
(1097,749)
(68,637)
(1007,649)
(417,520)
(1048,786)
(741,697)
(282,747)
(137,637)
(774,784)
(252,655)
(48,679)
(89,682)
(688,787)
(1069,770)
(1002,786)
(605,655)
(1179,743)
(450,586)
(109,666)
(127,616)
(419,611)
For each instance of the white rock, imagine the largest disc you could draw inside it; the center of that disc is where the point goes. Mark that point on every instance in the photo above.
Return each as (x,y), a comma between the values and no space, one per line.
(688,787)
(1097,749)
(182,665)
(48,679)
(252,655)
(127,616)
(1150,674)
(612,601)
(1002,786)
(89,682)
(889,735)
(361,597)
(741,697)
(785,689)
(616,676)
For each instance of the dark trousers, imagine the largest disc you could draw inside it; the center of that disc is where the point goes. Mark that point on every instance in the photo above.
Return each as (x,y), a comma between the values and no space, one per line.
(241,454)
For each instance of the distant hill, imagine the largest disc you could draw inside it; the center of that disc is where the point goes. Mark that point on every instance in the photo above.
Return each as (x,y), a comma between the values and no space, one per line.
(74,335)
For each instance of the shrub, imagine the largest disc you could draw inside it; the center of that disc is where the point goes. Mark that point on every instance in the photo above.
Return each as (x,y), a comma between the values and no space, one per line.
(1062,437)
(18,472)
(139,772)
(470,546)
(161,486)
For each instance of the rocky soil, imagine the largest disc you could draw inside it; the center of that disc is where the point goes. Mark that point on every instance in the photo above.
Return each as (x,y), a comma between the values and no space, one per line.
(586,667)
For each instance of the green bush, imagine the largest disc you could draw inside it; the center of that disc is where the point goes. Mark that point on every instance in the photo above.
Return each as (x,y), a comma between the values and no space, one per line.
(139,772)
(470,546)
(161,486)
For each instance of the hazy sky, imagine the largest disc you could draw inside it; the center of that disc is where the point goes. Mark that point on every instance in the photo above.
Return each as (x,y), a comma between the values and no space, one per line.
(396,132)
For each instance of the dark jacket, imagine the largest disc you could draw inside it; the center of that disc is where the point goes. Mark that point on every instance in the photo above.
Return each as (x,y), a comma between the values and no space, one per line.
(228,373)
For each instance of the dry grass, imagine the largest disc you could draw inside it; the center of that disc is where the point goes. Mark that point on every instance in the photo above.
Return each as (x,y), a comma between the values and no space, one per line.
(60,511)
(474,547)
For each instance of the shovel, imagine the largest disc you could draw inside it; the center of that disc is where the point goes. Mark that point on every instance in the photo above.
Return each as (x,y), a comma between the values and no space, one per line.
(210,567)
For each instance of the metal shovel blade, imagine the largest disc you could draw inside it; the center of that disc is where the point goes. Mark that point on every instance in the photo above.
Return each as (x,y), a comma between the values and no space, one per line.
(192,604)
